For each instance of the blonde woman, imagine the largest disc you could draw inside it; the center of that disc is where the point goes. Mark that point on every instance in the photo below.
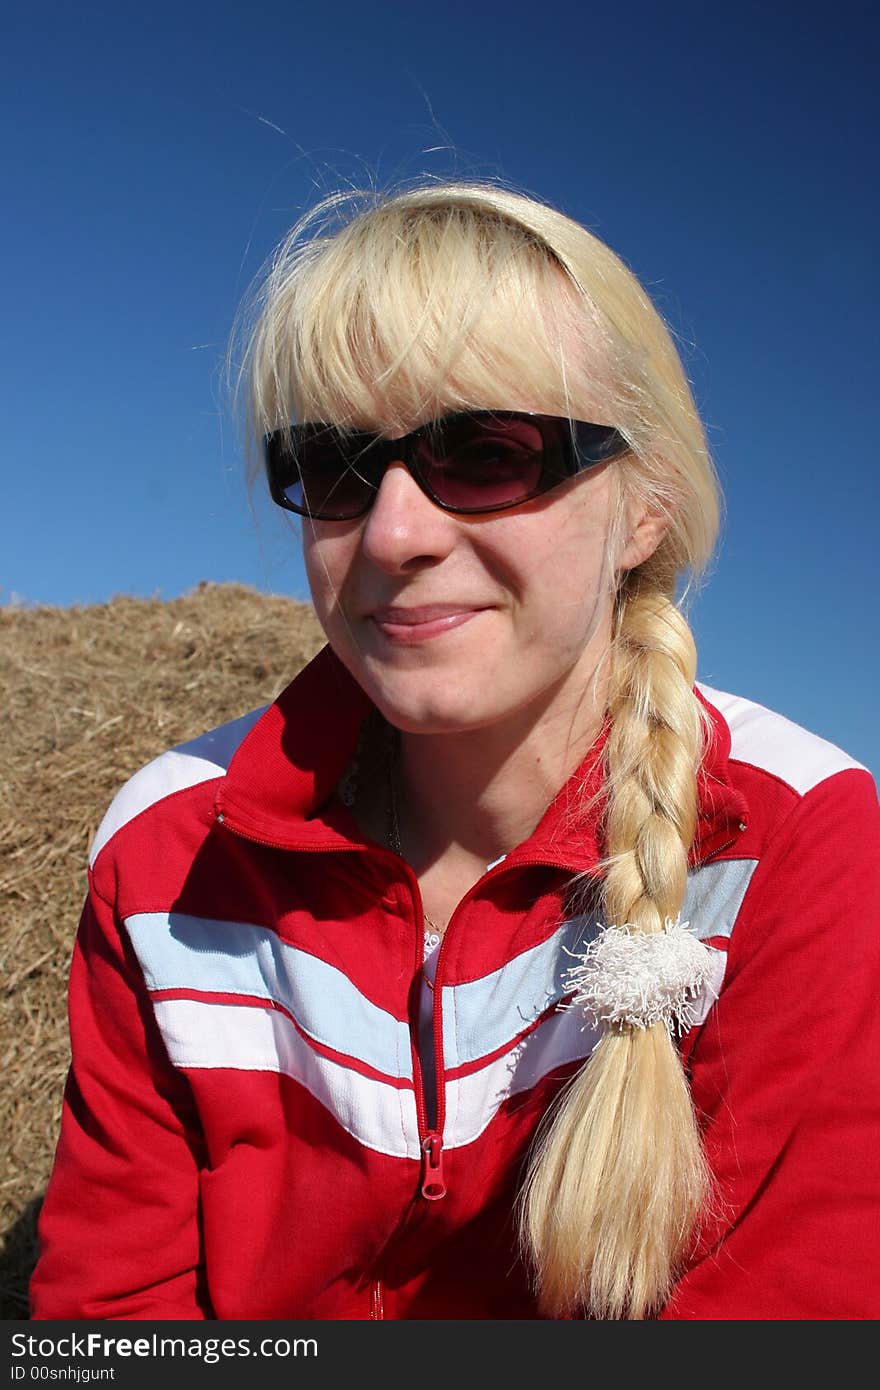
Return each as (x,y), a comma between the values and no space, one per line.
(498,970)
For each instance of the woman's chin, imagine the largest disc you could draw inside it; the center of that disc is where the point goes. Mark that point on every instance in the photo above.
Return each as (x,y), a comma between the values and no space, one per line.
(431,710)
(435,719)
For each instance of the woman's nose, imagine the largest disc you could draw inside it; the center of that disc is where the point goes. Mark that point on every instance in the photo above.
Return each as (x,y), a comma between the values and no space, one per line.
(404,528)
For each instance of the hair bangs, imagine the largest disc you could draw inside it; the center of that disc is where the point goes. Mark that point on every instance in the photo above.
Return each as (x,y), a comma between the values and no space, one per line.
(411,311)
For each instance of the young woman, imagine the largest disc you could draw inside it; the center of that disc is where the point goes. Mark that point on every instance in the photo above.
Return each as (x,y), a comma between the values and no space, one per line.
(497,970)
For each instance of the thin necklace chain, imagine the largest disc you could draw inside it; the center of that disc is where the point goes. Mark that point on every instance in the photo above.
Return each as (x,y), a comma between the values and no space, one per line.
(433,933)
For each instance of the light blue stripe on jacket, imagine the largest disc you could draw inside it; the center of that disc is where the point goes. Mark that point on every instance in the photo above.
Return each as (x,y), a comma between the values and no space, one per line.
(177,951)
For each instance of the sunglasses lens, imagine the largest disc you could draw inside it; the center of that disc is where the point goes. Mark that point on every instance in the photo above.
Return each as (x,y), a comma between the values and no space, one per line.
(467,463)
(482,464)
(327,475)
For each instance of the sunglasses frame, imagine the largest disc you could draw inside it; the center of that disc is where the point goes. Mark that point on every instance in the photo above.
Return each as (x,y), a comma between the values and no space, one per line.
(584,446)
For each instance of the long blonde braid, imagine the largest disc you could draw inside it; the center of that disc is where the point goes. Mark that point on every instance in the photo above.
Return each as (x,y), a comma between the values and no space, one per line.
(619,1177)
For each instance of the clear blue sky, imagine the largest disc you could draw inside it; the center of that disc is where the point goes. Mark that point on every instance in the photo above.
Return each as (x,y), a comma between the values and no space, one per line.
(155,154)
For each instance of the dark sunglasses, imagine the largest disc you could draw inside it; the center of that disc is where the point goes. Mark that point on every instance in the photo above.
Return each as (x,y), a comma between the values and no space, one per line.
(467,463)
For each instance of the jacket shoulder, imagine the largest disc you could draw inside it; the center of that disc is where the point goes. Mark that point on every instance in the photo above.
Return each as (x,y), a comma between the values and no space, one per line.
(186,765)
(776,745)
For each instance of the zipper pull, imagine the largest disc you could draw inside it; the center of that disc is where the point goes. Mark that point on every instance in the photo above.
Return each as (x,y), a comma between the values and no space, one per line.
(433,1186)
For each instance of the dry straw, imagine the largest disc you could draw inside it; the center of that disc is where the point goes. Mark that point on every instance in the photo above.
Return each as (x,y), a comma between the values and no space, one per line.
(88,696)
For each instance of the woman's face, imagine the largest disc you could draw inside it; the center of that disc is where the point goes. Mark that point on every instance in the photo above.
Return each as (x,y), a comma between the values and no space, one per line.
(454,623)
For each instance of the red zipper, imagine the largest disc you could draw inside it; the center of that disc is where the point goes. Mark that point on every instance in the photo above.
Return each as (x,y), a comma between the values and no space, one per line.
(433,1183)
(433,1186)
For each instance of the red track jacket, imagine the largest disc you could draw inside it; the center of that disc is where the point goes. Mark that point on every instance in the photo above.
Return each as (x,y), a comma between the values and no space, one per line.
(247,1128)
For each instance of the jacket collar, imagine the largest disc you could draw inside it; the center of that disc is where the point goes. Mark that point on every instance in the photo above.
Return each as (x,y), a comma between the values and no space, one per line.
(278,789)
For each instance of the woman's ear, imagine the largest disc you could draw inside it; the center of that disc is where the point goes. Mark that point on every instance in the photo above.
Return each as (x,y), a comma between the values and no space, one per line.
(646,527)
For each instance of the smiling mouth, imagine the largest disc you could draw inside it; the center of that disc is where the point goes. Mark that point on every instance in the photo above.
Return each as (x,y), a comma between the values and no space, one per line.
(410,625)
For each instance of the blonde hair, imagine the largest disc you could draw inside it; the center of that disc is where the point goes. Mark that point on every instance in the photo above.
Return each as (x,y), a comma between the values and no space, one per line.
(447,296)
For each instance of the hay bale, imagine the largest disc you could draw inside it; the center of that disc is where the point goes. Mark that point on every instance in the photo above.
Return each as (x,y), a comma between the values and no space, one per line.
(88,696)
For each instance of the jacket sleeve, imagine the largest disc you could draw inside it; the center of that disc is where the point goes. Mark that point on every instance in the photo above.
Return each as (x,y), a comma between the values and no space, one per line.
(785,1076)
(119,1230)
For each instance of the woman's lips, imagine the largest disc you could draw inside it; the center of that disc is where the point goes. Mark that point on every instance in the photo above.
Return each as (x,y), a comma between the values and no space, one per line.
(410,625)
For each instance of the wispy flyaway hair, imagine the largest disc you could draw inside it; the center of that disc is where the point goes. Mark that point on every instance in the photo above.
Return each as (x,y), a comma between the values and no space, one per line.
(382,311)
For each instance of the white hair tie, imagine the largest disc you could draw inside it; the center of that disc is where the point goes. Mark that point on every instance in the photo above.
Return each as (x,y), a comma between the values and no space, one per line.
(629,976)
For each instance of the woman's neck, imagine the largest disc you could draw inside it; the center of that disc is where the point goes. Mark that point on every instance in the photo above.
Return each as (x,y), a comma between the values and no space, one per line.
(472,796)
